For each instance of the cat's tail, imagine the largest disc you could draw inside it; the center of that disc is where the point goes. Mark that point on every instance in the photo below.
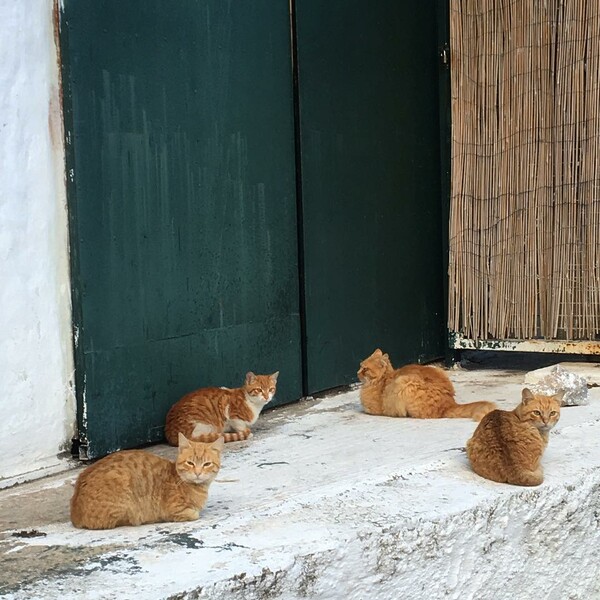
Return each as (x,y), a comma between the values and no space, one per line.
(472,410)
(235,436)
(526,477)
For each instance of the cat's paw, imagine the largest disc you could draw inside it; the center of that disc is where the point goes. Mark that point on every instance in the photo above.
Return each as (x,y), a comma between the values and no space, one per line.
(189,514)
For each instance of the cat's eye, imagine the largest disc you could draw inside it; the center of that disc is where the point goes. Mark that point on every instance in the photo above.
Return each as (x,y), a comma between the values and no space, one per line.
(207,464)
(553,413)
(271,390)
(256,391)
(537,413)
(190,463)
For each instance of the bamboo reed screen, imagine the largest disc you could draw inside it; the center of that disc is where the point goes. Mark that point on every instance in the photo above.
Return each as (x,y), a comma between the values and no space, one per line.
(525,191)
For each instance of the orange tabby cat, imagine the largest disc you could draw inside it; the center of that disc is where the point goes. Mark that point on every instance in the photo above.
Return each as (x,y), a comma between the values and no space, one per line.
(133,487)
(418,391)
(211,412)
(507,446)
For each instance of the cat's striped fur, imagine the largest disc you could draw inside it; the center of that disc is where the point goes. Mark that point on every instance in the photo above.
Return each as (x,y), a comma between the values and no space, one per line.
(508,445)
(133,487)
(417,391)
(207,413)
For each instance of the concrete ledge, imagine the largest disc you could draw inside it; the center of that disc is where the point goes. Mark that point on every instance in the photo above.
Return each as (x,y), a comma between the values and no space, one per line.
(326,502)
(58,464)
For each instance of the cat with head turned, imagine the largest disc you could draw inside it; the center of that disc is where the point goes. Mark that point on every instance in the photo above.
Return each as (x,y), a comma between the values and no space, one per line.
(212,412)
(417,391)
(507,446)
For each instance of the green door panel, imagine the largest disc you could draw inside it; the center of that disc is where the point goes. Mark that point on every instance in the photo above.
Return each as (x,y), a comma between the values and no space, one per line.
(370,149)
(180,142)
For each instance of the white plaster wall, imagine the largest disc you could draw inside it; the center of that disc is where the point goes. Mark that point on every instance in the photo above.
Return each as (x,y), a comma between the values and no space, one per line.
(37,408)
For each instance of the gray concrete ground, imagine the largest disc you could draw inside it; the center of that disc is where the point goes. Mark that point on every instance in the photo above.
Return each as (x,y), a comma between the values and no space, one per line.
(327,502)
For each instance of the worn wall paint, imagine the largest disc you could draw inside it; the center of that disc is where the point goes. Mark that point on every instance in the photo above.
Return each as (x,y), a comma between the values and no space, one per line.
(460,342)
(371,182)
(184,205)
(37,407)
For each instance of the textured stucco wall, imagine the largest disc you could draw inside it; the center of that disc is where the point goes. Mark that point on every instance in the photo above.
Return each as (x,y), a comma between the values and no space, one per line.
(37,407)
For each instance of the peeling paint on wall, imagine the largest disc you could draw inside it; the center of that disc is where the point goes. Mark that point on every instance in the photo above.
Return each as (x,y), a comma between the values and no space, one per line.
(36,365)
(460,342)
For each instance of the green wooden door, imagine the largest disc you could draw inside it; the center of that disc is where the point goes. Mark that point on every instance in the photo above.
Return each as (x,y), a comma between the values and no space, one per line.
(180,141)
(369,124)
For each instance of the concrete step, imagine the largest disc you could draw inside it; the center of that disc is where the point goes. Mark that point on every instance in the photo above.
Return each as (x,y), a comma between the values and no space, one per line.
(327,502)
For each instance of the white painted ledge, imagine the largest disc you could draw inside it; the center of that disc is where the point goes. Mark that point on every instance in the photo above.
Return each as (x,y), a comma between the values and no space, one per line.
(460,342)
(326,502)
(45,468)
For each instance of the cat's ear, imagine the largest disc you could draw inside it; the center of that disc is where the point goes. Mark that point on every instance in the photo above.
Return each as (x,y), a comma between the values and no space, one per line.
(559,396)
(526,395)
(250,377)
(183,441)
(275,376)
(377,352)
(384,361)
(218,444)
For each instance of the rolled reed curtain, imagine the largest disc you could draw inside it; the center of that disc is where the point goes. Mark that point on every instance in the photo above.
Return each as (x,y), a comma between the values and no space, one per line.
(525,191)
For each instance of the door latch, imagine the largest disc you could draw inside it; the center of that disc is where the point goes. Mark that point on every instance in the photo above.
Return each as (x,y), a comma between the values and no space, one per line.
(445,55)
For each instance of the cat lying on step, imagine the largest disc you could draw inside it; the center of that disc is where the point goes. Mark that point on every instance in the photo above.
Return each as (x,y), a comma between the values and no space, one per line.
(133,487)
(211,412)
(507,446)
(418,391)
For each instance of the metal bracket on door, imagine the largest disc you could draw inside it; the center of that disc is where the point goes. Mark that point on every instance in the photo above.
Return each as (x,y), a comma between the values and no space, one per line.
(445,55)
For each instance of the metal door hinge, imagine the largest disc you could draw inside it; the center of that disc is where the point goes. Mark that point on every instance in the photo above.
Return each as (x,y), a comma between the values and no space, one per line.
(79,448)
